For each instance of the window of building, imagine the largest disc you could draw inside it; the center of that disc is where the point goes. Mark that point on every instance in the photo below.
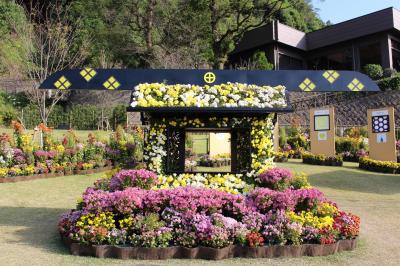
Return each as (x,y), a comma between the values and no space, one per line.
(340,60)
(289,63)
(370,54)
(396,54)
(208,151)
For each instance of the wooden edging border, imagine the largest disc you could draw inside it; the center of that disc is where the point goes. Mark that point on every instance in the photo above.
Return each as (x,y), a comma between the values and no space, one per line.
(233,251)
(14,179)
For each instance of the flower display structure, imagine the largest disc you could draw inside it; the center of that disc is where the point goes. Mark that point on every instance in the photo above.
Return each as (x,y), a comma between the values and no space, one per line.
(119,211)
(223,95)
(260,141)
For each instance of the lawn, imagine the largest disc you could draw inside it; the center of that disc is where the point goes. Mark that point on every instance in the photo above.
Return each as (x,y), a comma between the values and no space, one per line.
(29,213)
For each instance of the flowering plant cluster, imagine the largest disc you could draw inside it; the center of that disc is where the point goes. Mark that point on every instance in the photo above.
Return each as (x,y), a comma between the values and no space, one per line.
(320,159)
(223,95)
(21,155)
(190,217)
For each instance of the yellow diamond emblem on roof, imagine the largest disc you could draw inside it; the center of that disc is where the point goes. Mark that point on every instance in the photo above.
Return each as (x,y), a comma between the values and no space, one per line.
(331,75)
(62,83)
(355,85)
(88,73)
(111,83)
(307,85)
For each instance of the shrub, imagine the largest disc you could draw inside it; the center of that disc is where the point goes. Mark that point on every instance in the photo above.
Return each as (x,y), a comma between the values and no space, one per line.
(347,144)
(133,178)
(379,166)
(261,61)
(321,159)
(275,178)
(373,71)
(300,181)
(297,142)
(389,72)
(392,83)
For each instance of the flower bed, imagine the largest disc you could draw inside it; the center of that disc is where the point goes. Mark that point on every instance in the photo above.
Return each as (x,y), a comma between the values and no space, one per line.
(128,216)
(379,166)
(21,158)
(281,157)
(223,95)
(49,175)
(321,159)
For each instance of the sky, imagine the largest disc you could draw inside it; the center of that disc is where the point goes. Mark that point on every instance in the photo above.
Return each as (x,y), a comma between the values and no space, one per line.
(340,10)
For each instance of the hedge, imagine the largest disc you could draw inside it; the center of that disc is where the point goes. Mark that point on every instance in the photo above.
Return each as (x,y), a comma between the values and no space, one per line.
(379,166)
(320,159)
(392,83)
(80,117)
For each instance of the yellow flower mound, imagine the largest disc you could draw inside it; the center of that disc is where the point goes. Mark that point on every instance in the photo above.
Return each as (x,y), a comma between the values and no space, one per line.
(3,172)
(310,219)
(105,220)
(223,95)
(225,182)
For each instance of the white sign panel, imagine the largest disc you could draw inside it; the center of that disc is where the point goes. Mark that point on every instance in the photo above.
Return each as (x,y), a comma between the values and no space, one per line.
(321,112)
(381,138)
(380,113)
(323,135)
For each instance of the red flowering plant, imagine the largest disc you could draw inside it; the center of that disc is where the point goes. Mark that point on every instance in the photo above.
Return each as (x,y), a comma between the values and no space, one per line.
(255,239)
(347,224)
(327,235)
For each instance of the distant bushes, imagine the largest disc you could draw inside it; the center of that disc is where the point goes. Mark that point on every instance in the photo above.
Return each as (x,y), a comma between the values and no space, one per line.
(320,159)
(373,71)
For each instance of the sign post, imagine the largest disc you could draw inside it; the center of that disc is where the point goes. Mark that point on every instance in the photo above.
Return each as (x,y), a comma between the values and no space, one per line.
(322,131)
(381,134)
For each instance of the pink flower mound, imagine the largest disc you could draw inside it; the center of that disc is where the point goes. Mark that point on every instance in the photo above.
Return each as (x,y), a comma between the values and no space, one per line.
(128,201)
(96,201)
(133,178)
(274,176)
(308,198)
(265,199)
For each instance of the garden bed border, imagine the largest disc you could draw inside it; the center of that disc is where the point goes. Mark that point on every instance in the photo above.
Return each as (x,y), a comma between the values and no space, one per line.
(207,253)
(13,179)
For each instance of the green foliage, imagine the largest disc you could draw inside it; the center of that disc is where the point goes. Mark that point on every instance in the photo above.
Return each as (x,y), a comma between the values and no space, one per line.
(80,117)
(373,71)
(12,19)
(347,144)
(300,14)
(282,136)
(7,110)
(300,181)
(392,83)
(389,72)
(261,62)
(298,141)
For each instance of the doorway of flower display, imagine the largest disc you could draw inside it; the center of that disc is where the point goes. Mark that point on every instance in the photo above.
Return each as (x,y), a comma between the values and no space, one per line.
(210,190)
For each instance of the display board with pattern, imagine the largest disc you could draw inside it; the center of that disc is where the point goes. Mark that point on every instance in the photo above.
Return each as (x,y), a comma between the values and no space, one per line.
(380,124)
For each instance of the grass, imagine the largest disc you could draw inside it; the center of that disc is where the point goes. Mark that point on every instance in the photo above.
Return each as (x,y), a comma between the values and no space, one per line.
(29,212)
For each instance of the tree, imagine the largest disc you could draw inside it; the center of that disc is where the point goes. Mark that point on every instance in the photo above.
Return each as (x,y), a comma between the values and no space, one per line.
(300,14)
(228,20)
(48,41)
(261,62)
(12,19)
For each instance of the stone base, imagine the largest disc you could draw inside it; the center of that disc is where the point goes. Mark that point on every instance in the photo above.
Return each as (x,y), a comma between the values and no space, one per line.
(207,253)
